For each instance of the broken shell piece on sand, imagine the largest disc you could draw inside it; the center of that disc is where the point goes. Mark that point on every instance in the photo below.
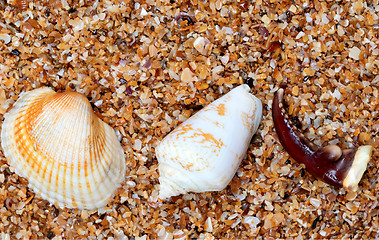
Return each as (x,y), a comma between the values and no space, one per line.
(68,155)
(204,152)
(202,44)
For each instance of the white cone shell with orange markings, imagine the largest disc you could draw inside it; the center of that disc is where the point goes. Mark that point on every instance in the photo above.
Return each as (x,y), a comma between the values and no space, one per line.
(68,155)
(204,152)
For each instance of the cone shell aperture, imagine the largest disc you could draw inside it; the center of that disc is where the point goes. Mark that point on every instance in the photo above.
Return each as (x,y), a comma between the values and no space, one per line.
(69,156)
(204,153)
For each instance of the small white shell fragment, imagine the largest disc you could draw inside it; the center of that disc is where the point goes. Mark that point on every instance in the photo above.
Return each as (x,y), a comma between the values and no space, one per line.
(5,37)
(201,44)
(354,53)
(251,221)
(66,152)
(315,202)
(225,59)
(204,153)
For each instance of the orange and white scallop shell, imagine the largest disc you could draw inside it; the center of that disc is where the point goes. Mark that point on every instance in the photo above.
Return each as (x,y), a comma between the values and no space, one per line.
(204,153)
(69,156)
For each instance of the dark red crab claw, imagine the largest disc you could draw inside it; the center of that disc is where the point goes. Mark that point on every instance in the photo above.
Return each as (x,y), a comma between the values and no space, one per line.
(340,168)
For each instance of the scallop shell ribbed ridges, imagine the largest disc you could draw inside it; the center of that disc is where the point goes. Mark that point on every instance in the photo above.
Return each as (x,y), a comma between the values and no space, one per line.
(66,152)
(204,152)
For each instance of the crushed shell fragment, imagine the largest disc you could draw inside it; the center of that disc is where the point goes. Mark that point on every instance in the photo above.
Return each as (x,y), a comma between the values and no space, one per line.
(69,156)
(5,37)
(204,152)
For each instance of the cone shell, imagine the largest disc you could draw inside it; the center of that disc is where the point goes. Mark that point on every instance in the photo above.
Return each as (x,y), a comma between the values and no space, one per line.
(68,155)
(204,152)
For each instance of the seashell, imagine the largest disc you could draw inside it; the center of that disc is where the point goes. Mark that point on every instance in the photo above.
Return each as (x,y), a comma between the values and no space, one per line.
(68,155)
(204,152)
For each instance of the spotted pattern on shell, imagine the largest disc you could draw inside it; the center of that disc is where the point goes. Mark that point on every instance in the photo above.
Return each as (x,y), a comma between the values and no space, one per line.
(204,152)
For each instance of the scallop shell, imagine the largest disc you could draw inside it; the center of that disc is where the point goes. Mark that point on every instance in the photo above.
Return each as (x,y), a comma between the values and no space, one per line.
(204,152)
(68,155)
